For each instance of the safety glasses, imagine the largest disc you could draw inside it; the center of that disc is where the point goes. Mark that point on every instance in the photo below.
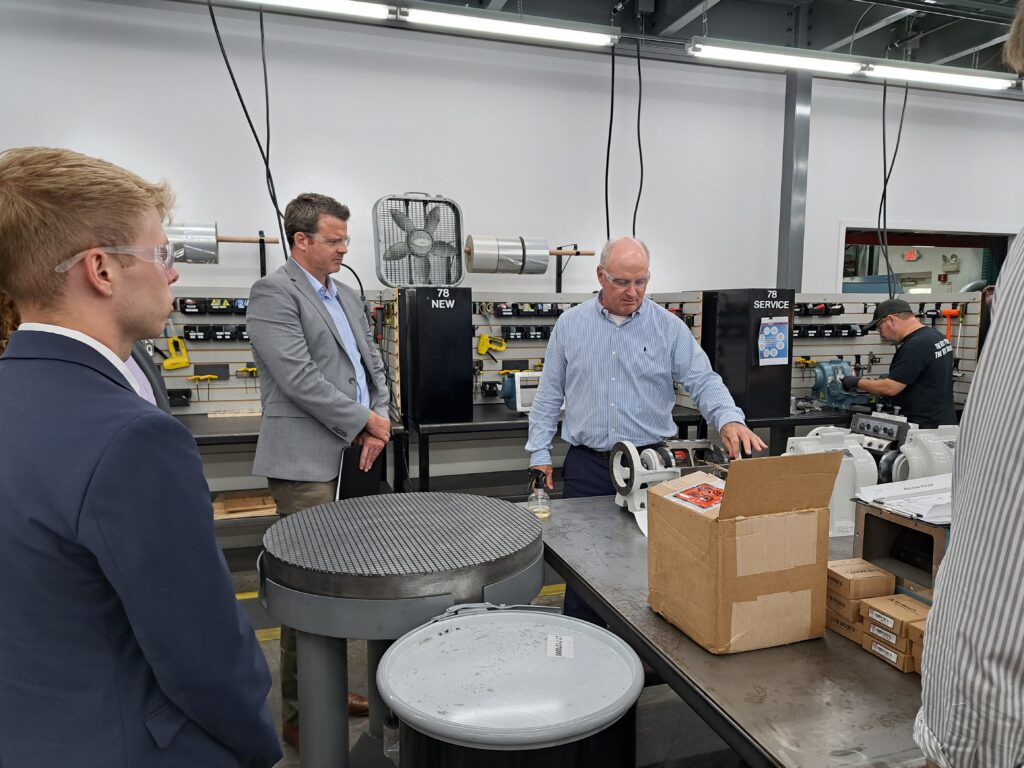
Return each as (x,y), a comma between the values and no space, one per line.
(160,254)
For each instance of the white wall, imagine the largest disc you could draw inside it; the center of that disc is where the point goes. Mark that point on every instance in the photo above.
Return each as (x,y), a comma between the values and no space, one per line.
(515,134)
(957,168)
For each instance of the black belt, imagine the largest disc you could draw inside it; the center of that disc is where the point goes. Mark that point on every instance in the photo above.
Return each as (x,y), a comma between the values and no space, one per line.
(608,454)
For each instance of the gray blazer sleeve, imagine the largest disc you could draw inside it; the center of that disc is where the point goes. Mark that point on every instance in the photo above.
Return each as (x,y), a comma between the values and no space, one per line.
(275,330)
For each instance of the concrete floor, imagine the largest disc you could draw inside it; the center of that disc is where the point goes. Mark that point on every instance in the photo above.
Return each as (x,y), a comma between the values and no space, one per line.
(669,734)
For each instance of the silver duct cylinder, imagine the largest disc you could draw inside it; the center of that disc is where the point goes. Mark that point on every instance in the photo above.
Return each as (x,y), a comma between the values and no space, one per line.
(194,243)
(535,256)
(506,255)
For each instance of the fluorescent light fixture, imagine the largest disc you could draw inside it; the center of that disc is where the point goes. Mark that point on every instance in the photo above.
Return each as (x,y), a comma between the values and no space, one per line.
(489,25)
(326,7)
(758,55)
(856,67)
(993,82)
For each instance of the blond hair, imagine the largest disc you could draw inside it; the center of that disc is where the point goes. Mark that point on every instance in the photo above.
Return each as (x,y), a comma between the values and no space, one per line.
(55,203)
(1013,50)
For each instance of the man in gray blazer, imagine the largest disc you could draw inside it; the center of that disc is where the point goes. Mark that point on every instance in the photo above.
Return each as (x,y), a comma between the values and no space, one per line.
(322,385)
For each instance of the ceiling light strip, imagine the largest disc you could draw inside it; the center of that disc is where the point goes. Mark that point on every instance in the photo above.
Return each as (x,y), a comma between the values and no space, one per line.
(518,29)
(839,64)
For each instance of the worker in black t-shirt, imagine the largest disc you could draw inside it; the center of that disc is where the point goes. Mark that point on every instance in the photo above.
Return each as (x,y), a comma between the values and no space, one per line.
(920,379)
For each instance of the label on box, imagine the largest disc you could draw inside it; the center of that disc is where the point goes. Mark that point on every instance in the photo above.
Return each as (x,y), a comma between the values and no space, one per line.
(883,634)
(881,618)
(881,650)
(701,497)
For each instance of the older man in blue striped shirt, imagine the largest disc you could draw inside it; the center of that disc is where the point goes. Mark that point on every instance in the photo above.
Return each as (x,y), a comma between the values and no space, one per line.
(613,360)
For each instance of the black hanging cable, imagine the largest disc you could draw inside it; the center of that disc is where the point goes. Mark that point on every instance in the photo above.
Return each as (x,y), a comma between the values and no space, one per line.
(882,223)
(248,118)
(608,153)
(639,143)
(362,293)
(271,189)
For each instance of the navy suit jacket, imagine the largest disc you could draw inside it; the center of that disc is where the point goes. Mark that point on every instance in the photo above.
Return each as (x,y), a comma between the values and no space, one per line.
(121,642)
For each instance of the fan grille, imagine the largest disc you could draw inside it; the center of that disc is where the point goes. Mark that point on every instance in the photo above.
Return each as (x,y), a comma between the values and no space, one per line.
(419,261)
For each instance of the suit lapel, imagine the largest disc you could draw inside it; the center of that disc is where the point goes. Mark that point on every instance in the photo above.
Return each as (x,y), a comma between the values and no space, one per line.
(354,315)
(298,277)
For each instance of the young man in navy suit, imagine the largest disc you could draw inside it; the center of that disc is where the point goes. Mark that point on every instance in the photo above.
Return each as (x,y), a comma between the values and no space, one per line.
(121,642)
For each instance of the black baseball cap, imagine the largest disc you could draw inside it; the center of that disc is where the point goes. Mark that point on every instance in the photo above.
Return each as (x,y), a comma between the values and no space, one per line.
(886,308)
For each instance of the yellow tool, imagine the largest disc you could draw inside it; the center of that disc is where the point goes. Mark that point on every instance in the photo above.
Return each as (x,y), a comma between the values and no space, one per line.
(178,357)
(207,377)
(247,372)
(805,362)
(487,343)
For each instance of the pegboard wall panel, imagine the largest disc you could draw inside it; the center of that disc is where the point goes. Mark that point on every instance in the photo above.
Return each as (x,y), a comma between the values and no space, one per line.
(211,321)
(835,334)
(522,322)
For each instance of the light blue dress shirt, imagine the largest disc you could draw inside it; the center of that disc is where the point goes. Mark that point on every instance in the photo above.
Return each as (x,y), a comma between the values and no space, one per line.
(617,380)
(329,296)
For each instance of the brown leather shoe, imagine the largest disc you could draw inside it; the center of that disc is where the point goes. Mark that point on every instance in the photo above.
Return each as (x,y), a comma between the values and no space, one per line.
(358,706)
(290,735)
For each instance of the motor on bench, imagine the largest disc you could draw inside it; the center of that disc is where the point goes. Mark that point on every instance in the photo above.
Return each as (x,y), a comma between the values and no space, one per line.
(634,471)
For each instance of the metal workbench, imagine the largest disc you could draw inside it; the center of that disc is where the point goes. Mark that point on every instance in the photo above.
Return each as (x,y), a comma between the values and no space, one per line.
(496,417)
(808,705)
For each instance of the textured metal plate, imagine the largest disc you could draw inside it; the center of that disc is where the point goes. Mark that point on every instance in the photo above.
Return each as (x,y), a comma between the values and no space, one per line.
(402,545)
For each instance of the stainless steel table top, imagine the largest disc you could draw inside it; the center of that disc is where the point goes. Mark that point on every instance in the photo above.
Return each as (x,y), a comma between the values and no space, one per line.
(402,545)
(818,703)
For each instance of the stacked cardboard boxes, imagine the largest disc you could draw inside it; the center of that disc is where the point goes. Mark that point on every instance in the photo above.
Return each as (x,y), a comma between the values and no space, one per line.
(849,583)
(887,626)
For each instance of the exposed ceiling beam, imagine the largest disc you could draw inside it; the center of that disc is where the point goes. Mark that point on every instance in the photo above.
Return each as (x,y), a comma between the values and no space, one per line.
(689,16)
(496,5)
(870,28)
(970,51)
(992,14)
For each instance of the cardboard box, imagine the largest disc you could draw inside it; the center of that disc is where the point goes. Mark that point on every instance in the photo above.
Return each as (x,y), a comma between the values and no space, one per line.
(894,612)
(916,650)
(749,572)
(904,662)
(917,664)
(858,578)
(846,607)
(851,630)
(887,636)
(915,631)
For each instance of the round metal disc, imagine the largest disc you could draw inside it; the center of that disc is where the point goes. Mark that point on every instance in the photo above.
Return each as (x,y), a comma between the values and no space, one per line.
(624,475)
(402,545)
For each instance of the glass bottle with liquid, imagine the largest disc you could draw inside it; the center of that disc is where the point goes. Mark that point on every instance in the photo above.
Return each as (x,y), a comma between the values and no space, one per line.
(538,502)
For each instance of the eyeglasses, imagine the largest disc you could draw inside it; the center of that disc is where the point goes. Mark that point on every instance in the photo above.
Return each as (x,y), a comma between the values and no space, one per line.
(160,254)
(332,242)
(621,282)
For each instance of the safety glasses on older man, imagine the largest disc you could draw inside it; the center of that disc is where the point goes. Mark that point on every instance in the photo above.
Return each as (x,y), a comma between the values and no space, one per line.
(160,254)
(621,282)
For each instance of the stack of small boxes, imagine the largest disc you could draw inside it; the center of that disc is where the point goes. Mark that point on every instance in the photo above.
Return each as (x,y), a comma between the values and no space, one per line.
(894,630)
(863,608)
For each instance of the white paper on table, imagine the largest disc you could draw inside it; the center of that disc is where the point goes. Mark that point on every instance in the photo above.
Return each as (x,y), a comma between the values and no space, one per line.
(926,498)
(641,520)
